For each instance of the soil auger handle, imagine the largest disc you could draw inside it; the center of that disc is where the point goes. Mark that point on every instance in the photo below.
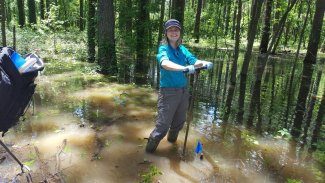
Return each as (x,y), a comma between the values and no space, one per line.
(197,69)
(190,110)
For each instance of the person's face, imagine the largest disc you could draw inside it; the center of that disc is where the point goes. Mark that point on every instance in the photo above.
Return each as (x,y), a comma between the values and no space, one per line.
(173,34)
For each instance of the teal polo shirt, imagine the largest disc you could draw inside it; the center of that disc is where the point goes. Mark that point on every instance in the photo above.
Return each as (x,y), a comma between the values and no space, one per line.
(181,56)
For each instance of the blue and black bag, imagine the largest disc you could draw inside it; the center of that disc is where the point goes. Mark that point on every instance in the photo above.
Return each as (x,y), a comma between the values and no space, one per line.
(16,89)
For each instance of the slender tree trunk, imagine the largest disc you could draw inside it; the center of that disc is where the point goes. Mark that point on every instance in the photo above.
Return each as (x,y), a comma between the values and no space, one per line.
(65,14)
(161,22)
(21,13)
(289,99)
(276,38)
(81,16)
(267,27)
(91,30)
(227,17)
(178,7)
(3,22)
(270,115)
(232,81)
(318,126)
(260,67)
(312,102)
(287,32)
(31,12)
(141,66)
(234,22)
(48,6)
(8,12)
(248,54)
(106,37)
(197,21)
(309,62)
(42,9)
(276,20)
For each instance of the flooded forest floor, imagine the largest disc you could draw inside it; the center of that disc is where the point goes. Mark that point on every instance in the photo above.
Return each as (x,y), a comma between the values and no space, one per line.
(85,127)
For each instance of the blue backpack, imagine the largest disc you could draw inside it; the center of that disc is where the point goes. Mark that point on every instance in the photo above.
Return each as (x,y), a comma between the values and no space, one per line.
(16,88)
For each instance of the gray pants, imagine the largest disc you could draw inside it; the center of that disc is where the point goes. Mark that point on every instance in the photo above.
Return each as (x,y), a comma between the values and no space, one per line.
(172,108)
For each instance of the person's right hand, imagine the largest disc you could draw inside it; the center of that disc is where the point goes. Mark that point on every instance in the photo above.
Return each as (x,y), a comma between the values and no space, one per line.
(190,69)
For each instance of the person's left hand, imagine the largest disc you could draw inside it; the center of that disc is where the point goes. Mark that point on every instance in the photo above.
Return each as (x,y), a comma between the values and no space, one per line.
(209,65)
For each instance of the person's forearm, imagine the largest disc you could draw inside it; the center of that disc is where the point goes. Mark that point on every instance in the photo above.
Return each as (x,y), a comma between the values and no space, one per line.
(200,63)
(169,65)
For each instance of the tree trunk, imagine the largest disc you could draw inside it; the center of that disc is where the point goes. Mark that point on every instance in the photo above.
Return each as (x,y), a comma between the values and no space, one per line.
(260,67)
(277,36)
(81,16)
(48,6)
(277,10)
(227,17)
(197,21)
(177,12)
(309,62)
(106,37)
(31,12)
(270,115)
(42,9)
(3,22)
(160,33)
(91,30)
(312,102)
(141,66)
(233,30)
(267,27)
(232,81)
(65,14)
(287,32)
(248,54)
(318,126)
(8,12)
(289,99)
(21,13)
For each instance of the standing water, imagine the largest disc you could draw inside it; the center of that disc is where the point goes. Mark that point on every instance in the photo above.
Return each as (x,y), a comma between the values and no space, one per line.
(87,129)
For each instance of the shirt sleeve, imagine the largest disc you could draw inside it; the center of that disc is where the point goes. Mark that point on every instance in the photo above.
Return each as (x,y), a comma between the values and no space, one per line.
(162,54)
(190,58)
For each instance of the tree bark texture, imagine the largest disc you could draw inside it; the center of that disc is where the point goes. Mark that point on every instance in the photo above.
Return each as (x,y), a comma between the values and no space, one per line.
(197,21)
(232,81)
(91,30)
(289,97)
(31,12)
(277,36)
(312,102)
(309,61)
(319,122)
(178,7)
(21,13)
(267,27)
(42,9)
(142,27)
(248,54)
(106,37)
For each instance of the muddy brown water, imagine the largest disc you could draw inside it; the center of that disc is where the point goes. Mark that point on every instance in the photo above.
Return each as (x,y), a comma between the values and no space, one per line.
(105,141)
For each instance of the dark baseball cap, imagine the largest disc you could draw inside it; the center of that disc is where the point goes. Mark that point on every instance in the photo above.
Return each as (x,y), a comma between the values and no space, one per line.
(172,23)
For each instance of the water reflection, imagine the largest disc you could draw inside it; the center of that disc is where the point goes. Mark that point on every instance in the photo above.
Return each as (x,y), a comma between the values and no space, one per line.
(104,125)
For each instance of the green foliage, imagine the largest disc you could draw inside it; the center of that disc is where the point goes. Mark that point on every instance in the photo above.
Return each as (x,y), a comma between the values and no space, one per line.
(249,139)
(293,181)
(147,177)
(284,133)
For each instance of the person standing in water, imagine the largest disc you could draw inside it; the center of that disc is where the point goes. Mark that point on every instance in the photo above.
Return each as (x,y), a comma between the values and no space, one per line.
(173,98)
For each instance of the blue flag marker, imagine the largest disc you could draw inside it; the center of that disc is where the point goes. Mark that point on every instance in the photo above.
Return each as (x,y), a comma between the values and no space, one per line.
(198,148)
